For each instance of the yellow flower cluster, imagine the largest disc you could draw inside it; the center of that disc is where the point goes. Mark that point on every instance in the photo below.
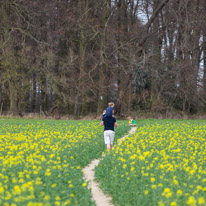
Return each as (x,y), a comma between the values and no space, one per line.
(41,161)
(164,163)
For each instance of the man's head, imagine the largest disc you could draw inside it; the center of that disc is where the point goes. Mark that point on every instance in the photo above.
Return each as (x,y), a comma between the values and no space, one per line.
(111,104)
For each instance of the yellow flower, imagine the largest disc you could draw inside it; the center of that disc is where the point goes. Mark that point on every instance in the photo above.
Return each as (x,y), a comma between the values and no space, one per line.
(154,186)
(27,176)
(198,187)
(14,180)
(84,185)
(72,195)
(167,193)
(51,156)
(8,195)
(1,190)
(191,201)
(146,153)
(141,157)
(67,202)
(146,192)
(152,179)
(47,197)
(173,204)
(201,201)
(31,188)
(48,173)
(17,189)
(160,203)
(179,192)
(175,182)
(35,172)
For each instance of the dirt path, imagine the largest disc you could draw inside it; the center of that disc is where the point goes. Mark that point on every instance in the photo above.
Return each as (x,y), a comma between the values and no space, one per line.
(97,194)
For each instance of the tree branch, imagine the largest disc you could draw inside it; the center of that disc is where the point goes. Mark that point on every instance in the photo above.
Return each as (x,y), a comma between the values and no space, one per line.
(147,26)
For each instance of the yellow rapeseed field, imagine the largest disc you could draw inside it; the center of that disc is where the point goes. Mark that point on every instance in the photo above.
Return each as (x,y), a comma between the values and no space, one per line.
(41,161)
(163,163)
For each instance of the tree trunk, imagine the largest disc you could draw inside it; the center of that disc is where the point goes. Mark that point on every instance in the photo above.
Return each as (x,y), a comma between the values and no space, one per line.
(81,104)
(82,84)
(156,58)
(195,39)
(122,36)
(204,62)
(103,79)
(34,97)
(1,110)
(13,98)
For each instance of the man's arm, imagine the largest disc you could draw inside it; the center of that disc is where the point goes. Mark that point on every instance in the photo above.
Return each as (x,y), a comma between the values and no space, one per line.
(115,124)
(102,123)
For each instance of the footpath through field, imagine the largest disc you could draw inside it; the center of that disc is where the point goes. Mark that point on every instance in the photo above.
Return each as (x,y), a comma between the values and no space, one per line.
(89,174)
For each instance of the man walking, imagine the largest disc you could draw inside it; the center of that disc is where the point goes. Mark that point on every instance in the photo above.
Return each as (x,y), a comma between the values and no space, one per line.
(109,124)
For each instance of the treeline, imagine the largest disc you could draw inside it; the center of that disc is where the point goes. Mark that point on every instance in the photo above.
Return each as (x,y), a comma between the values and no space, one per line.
(74,56)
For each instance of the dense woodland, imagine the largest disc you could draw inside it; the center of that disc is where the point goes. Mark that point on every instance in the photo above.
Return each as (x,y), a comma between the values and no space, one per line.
(71,57)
